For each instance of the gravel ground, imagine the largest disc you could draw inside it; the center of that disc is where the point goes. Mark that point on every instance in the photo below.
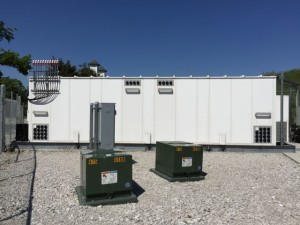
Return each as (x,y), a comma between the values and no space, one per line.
(16,170)
(240,188)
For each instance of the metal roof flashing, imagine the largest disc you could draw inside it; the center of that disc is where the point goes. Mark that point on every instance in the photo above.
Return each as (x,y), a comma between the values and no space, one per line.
(172,77)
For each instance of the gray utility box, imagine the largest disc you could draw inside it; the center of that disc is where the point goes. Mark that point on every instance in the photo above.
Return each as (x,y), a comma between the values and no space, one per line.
(107,125)
(102,125)
(179,161)
(105,178)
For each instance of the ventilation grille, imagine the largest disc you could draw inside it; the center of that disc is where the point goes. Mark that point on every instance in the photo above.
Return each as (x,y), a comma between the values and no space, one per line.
(165,82)
(262,135)
(132,83)
(40,132)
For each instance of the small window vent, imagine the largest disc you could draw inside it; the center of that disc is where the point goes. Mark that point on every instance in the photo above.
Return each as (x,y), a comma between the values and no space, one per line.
(263,115)
(165,91)
(132,82)
(165,82)
(262,135)
(132,90)
(40,132)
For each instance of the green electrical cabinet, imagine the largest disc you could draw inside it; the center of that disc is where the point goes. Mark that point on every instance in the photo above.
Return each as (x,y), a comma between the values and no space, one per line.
(105,178)
(179,161)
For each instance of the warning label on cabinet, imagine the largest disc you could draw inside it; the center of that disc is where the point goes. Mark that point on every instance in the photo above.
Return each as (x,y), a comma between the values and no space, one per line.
(187,161)
(109,177)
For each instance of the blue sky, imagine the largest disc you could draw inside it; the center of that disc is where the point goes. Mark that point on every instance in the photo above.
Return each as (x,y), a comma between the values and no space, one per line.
(159,37)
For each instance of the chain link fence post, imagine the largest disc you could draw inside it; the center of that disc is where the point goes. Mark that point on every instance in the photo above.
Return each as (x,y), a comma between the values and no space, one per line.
(2,118)
(10,116)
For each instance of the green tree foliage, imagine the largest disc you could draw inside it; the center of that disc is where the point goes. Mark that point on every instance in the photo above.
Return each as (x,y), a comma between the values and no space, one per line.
(6,32)
(66,69)
(291,84)
(85,71)
(293,75)
(15,86)
(291,90)
(12,58)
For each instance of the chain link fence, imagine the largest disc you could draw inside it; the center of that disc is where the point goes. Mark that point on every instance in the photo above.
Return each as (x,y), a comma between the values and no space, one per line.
(11,113)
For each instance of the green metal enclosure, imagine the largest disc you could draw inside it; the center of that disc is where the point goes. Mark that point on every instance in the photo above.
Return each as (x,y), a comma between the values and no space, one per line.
(105,178)
(179,161)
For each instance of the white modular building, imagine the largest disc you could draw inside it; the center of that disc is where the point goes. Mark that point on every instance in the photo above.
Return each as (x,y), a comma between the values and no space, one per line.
(206,110)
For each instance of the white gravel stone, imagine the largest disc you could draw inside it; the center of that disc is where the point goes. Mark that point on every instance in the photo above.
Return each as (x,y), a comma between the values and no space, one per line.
(240,188)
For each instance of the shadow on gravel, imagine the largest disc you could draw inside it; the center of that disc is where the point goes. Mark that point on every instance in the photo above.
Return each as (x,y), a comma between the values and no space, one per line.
(24,160)
(137,189)
(27,210)
(17,158)
(18,176)
(15,215)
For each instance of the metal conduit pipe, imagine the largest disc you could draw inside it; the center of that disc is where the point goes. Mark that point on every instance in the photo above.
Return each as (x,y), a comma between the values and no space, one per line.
(96,128)
(91,125)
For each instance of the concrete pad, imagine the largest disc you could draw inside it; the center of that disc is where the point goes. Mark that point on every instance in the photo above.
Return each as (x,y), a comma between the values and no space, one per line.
(295,156)
(297,145)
